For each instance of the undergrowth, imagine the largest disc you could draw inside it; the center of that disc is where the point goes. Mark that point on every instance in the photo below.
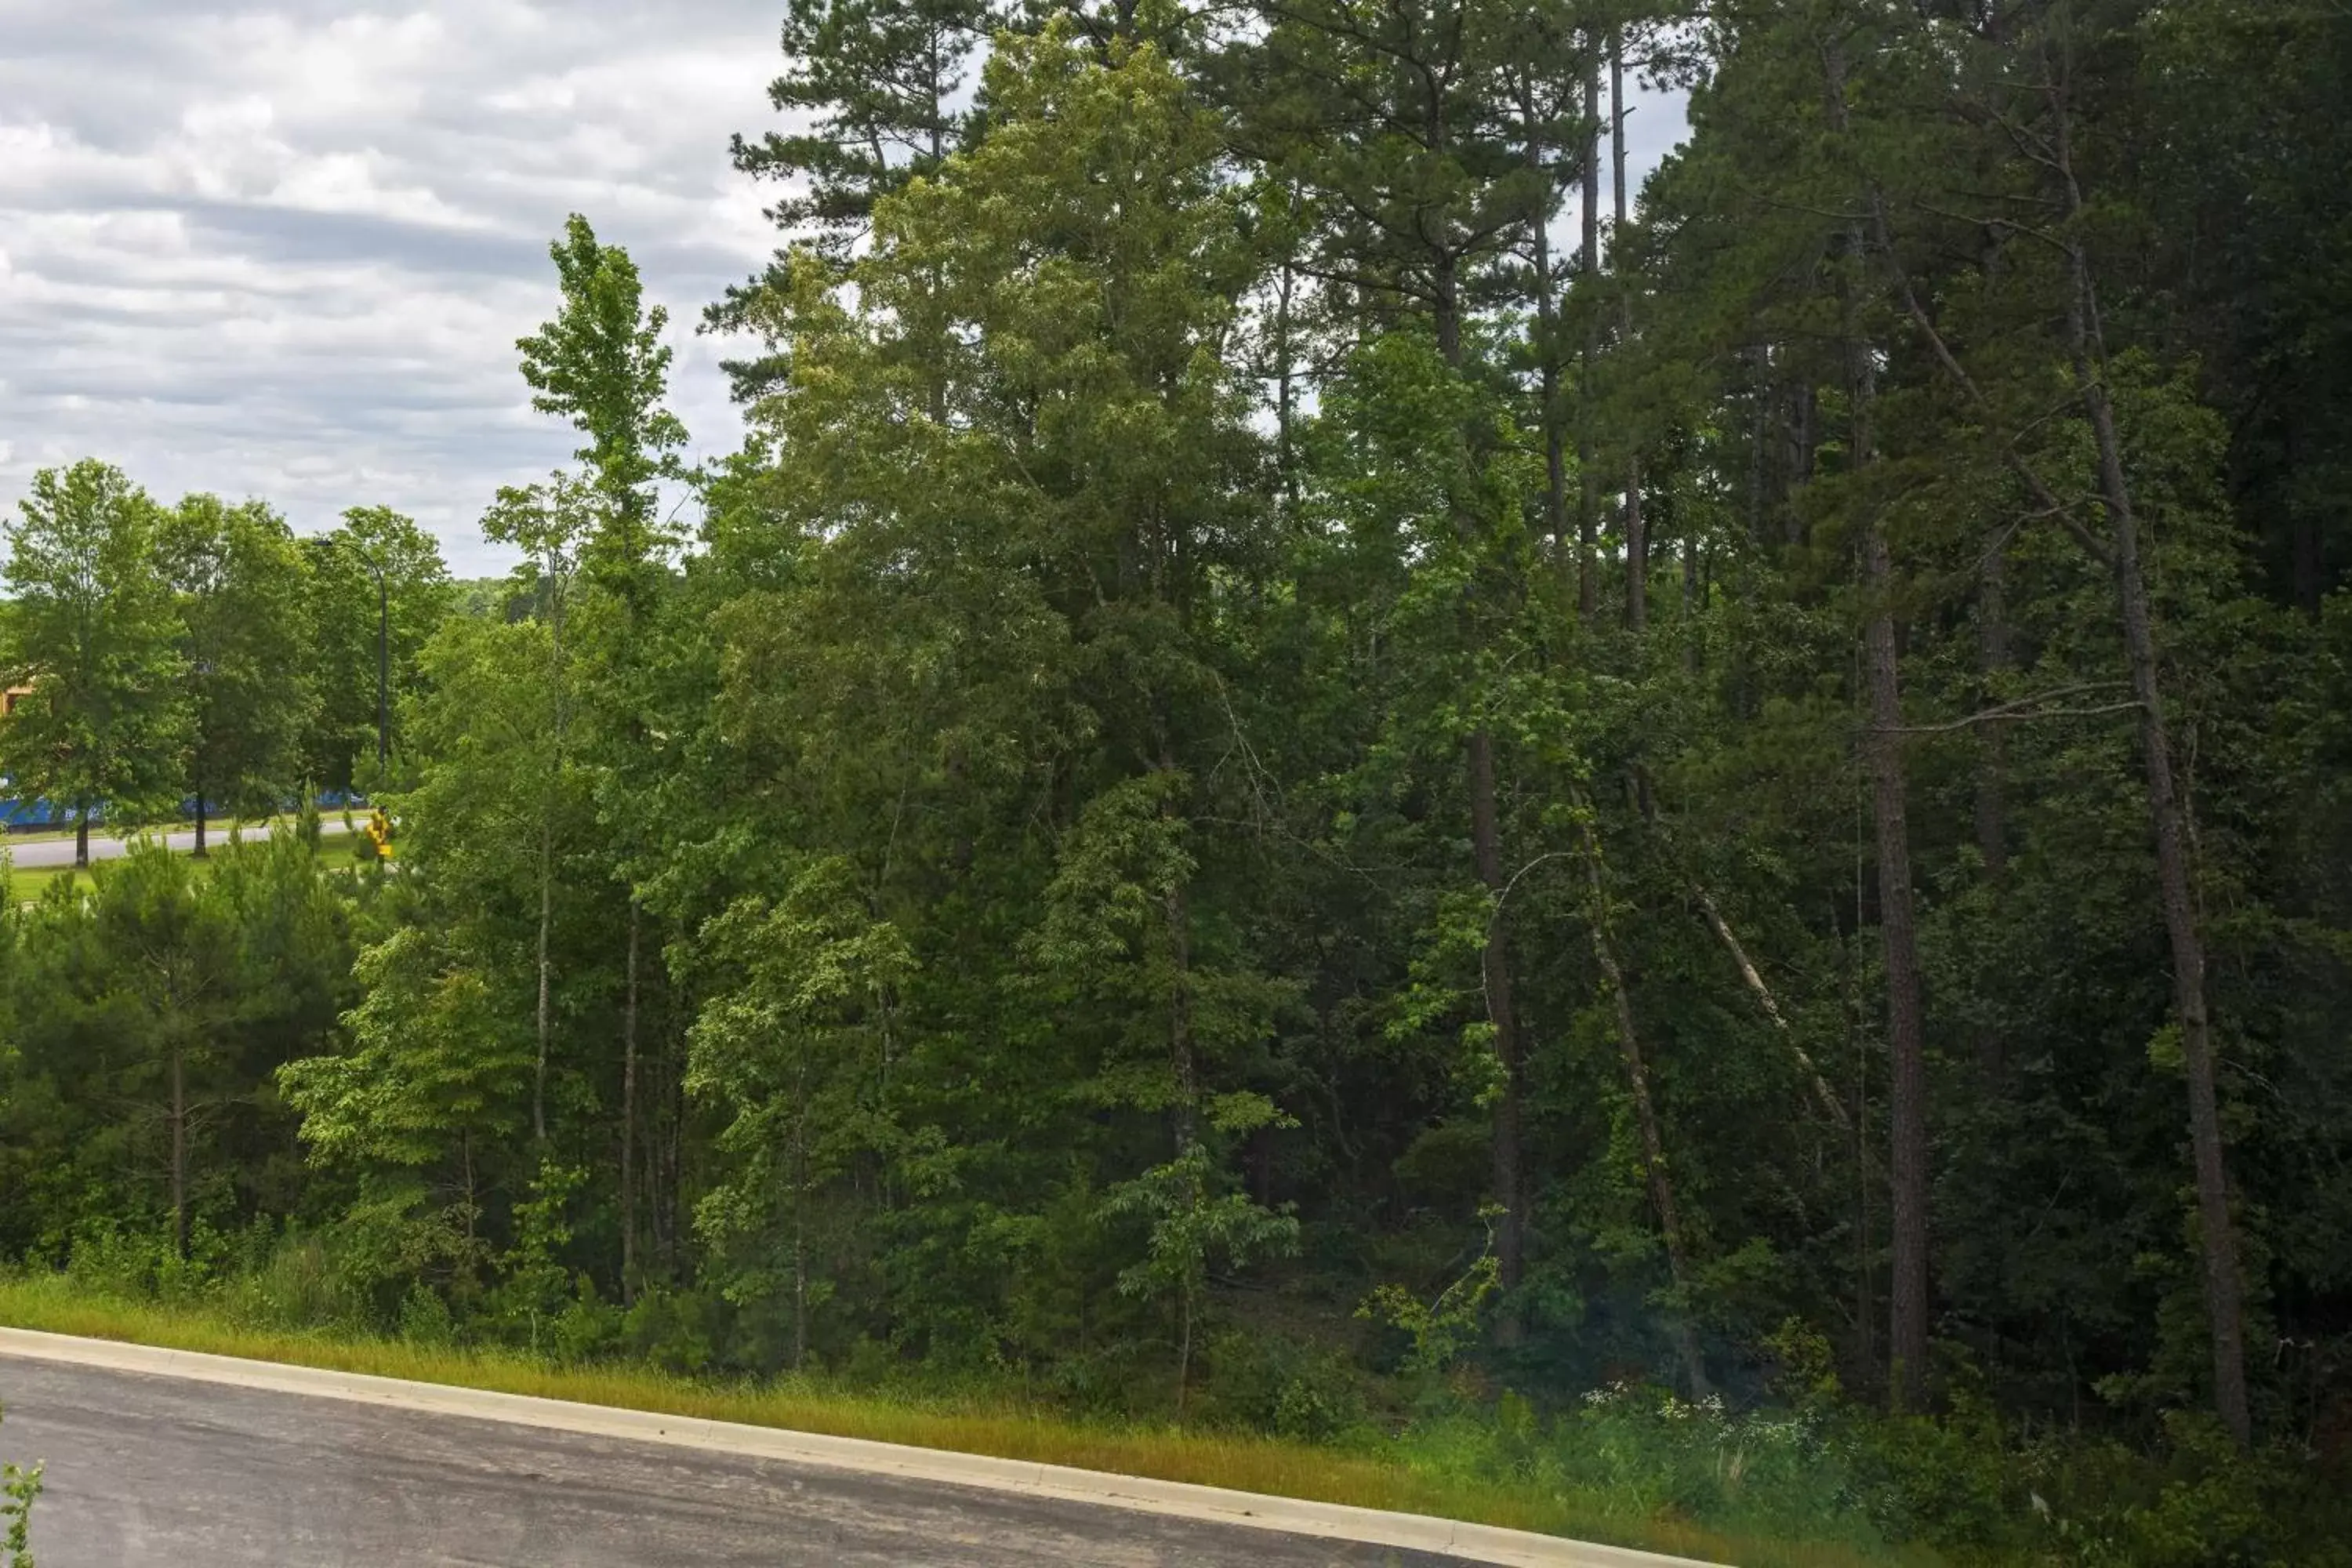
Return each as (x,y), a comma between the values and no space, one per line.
(1812,1483)
(1440,1470)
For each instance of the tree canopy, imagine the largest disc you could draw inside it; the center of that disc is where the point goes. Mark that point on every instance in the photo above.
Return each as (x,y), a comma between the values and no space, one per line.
(1319,770)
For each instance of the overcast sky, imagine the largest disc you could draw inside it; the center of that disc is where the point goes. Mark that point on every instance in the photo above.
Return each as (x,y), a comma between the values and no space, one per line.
(285,249)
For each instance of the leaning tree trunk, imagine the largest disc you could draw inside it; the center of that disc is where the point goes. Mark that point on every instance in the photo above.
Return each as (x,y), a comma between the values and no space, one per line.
(1656,1173)
(2169,818)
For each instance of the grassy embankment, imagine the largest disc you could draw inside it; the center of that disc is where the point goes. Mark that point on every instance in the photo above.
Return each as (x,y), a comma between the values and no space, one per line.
(1245,1463)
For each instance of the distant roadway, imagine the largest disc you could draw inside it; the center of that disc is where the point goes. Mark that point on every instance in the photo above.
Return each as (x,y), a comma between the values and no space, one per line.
(151,1472)
(45,851)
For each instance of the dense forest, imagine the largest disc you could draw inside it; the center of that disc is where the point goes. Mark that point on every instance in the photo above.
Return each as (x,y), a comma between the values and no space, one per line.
(1318,769)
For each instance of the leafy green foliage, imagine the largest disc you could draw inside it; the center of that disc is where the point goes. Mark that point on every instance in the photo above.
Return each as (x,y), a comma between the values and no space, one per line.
(378,589)
(601,365)
(94,633)
(1138,853)
(243,589)
(20,1485)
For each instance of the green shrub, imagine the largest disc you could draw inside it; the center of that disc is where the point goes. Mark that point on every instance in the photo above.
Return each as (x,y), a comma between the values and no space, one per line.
(425,1318)
(18,1486)
(1640,1454)
(1267,1382)
(677,1331)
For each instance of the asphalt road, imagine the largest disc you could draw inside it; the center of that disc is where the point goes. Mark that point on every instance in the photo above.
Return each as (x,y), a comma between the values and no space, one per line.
(43,852)
(146,1472)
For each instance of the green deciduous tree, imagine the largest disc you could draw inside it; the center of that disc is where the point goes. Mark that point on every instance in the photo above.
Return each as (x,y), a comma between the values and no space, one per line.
(601,364)
(378,591)
(246,647)
(93,631)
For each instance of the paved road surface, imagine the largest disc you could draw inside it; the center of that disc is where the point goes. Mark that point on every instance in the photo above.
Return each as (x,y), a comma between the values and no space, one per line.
(157,1472)
(36,852)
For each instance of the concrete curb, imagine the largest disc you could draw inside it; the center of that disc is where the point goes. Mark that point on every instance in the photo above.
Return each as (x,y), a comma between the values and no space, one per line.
(1471,1542)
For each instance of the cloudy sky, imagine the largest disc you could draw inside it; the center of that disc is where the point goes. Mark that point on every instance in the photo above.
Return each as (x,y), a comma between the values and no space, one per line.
(285,249)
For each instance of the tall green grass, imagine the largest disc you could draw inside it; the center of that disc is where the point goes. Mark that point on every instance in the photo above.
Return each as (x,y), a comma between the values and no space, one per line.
(1445,1474)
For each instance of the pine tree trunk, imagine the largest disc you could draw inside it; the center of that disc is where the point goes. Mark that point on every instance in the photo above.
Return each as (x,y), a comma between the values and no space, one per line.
(1993,774)
(1905,1030)
(2224,1302)
(800,1223)
(1588,514)
(1992,771)
(1179,1047)
(1445,310)
(1548,350)
(200,853)
(672,1164)
(1181,1059)
(1285,412)
(1907,1290)
(1183,1346)
(1637,539)
(81,840)
(179,1148)
(1184,1069)
(1692,598)
(629,1117)
(2169,821)
(546,919)
(1905,1012)
(547,847)
(2310,573)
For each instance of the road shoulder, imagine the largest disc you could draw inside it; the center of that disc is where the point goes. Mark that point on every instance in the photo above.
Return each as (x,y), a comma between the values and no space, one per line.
(1471,1542)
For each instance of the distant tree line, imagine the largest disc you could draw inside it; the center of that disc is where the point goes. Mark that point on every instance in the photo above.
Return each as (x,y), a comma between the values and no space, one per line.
(200,656)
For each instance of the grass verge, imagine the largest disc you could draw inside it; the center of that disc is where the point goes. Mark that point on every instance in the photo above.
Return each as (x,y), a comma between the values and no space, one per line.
(1245,1463)
(27,883)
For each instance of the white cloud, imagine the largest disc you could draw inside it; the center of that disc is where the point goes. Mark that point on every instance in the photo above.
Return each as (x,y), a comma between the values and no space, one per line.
(284,249)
